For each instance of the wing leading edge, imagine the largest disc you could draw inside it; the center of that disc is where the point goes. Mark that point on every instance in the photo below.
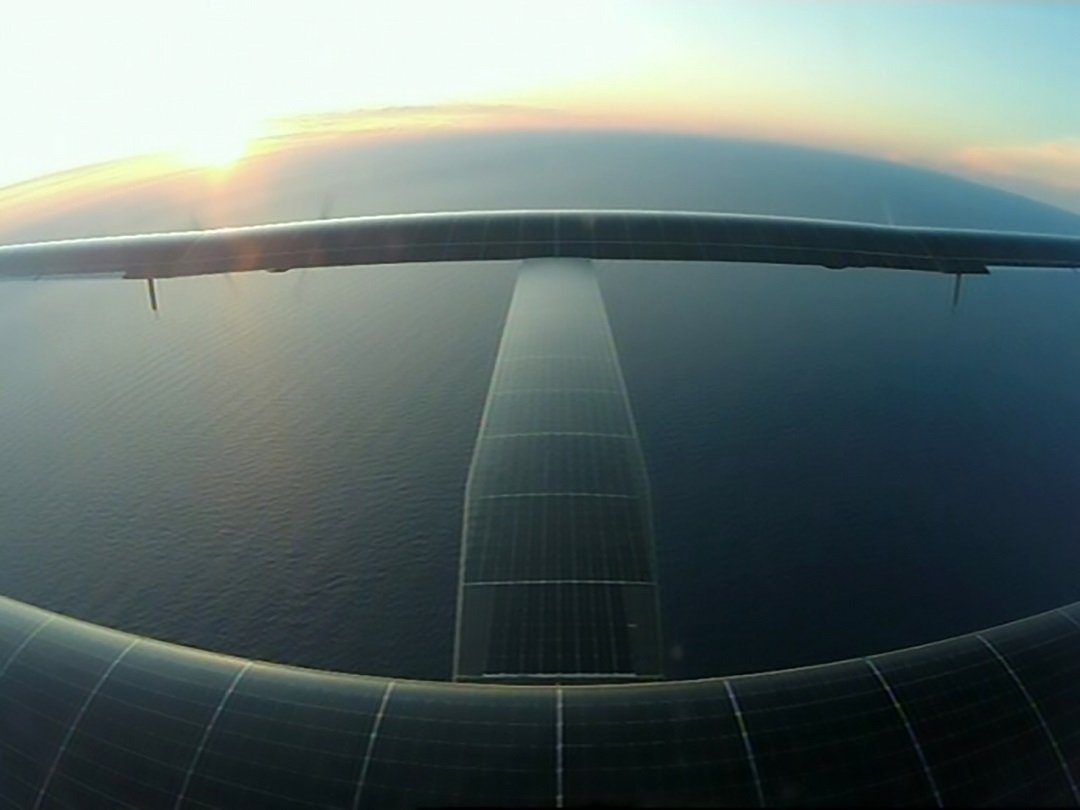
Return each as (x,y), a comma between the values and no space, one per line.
(515,235)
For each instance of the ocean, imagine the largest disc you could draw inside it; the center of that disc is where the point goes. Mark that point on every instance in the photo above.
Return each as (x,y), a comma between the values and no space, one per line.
(273,465)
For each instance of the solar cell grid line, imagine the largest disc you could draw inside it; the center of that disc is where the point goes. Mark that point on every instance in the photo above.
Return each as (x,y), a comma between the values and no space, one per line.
(9,772)
(449,241)
(908,729)
(555,494)
(1044,652)
(1069,617)
(640,468)
(572,598)
(485,416)
(22,645)
(536,629)
(78,717)
(748,746)
(612,626)
(825,734)
(523,582)
(41,693)
(207,732)
(371,744)
(556,312)
(285,741)
(558,746)
(456,744)
(1037,712)
(981,740)
(135,742)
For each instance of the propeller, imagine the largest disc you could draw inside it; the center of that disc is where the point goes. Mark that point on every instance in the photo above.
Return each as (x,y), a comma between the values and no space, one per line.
(153,295)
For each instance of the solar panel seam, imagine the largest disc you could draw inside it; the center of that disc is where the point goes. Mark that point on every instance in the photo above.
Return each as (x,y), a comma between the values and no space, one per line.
(1071,618)
(1036,711)
(555,390)
(242,738)
(250,788)
(559,788)
(376,723)
(152,680)
(37,685)
(79,716)
(128,752)
(129,773)
(908,729)
(978,730)
(113,801)
(274,713)
(557,433)
(641,467)
(748,747)
(484,417)
(207,732)
(477,583)
(466,767)
(152,710)
(22,645)
(556,495)
(602,674)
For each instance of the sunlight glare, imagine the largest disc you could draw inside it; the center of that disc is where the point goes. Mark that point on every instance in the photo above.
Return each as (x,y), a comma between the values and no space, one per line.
(217,147)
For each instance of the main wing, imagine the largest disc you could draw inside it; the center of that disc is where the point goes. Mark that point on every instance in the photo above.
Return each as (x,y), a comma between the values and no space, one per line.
(479,236)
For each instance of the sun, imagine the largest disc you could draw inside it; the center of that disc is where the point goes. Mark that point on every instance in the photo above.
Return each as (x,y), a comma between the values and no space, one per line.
(217,146)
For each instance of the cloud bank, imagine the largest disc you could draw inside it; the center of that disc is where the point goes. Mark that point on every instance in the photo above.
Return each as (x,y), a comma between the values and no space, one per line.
(1054,163)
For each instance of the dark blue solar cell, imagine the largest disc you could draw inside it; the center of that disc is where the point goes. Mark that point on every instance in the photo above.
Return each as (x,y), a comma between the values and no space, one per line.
(829,735)
(138,738)
(982,742)
(46,685)
(478,746)
(653,746)
(280,742)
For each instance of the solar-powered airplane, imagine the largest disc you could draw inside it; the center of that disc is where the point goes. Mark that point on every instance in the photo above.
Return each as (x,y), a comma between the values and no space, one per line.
(558,696)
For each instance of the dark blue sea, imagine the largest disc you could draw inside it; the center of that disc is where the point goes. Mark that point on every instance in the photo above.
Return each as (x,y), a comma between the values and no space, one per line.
(273,465)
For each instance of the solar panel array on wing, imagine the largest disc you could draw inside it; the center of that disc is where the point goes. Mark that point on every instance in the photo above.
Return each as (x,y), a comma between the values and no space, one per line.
(654,745)
(139,736)
(557,574)
(287,742)
(829,735)
(476,236)
(93,718)
(45,687)
(981,737)
(479,746)
(1041,656)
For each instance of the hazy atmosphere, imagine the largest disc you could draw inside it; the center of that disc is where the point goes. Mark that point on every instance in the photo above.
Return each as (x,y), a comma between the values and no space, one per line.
(984,91)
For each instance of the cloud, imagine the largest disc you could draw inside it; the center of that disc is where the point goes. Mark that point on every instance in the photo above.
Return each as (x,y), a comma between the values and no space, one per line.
(418,117)
(1053,163)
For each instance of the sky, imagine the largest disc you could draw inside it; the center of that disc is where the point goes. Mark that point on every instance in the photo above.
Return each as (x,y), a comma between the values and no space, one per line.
(986,90)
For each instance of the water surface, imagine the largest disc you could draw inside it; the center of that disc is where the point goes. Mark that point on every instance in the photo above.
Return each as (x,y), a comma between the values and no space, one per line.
(274,466)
